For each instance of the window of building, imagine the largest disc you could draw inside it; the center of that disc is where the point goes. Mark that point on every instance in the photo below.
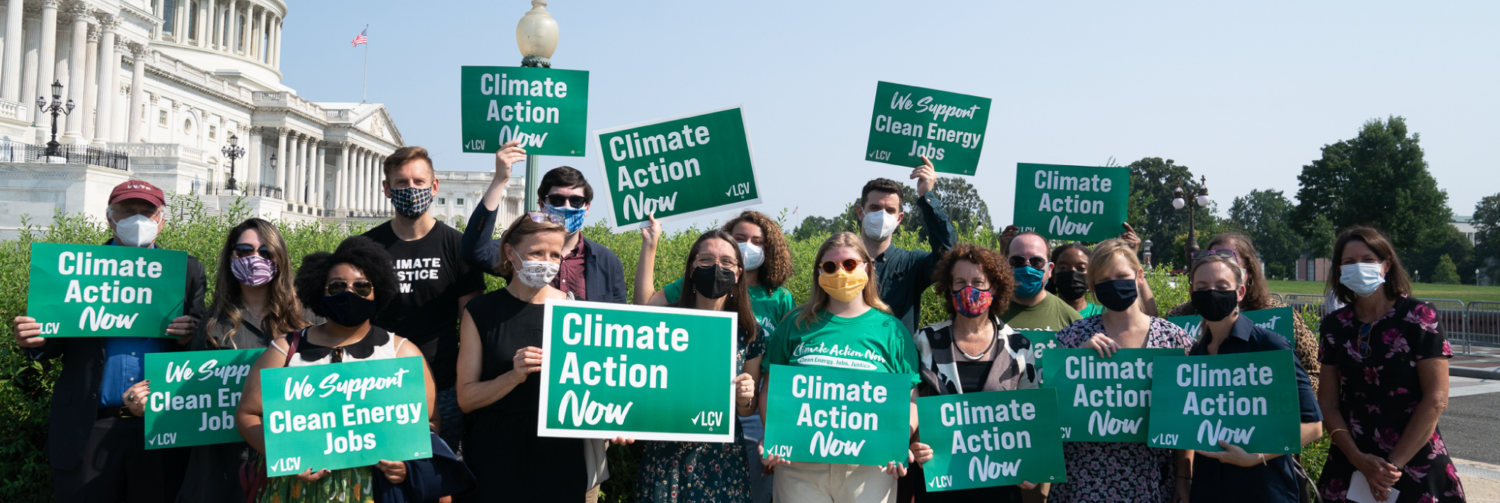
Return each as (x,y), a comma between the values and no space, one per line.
(239,39)
(442,201)
(168,16)
(161,118)
(460,201)
(192,15)
(213,132)
(187,127)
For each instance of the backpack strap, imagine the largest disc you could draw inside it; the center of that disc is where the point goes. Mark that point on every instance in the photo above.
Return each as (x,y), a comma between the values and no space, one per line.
(291,345)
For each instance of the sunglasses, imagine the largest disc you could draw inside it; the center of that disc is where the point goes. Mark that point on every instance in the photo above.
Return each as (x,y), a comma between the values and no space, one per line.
(831,267)
(1017,262)
(544,217)
(243,250)
(1226,253)
(362,288)
(559,201)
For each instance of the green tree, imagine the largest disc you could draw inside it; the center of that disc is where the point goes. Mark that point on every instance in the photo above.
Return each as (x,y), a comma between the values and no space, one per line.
(1379,178)
(1451,243)
(1446,272)
(1152,181)
(961,200)
(1265,215)
(1487,234)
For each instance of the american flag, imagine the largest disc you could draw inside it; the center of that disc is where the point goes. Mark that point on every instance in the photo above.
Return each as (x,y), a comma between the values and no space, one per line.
(361,39)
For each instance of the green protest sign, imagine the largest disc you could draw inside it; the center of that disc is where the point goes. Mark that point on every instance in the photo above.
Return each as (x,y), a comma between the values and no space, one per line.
(105,291)
(1041,341)
(996,438)
(193,396)
(1103,399)
(1276,319)
(648,373)
(1246,399)
(1077,203)
(679,167)
(343,415)
(546,109)
(824,415)
(910,122)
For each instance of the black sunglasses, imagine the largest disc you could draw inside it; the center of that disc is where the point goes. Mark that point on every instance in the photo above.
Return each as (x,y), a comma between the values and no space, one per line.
(848,264)
(243,250)
(559,201)
(362,288)
(1017,262)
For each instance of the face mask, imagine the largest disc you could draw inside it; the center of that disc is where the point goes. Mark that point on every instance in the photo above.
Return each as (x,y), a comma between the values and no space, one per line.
(1116,295)
(844,285)
(1028,281)
(713,281)
(411,202)
(972,302)
(1070,285)
(754,256)
(137,231)
(1362,278)
(346,309)
(879,225)
(1215,305)
(572,217)
(253,270)
(535,273)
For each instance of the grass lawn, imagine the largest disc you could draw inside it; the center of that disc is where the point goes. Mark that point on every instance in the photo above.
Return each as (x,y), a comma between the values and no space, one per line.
(1465,293)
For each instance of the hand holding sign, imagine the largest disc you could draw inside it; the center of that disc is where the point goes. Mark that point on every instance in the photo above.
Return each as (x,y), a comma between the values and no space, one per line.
(135,397)
(28,332)
(507,157)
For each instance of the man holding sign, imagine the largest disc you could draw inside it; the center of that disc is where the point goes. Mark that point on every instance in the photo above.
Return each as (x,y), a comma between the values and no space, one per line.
(89,418)
(904,274)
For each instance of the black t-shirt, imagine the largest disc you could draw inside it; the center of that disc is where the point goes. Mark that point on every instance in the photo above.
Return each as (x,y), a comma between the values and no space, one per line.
(432,276)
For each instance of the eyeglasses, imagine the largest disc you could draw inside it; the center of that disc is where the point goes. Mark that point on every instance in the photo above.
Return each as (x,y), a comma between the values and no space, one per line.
(1364,340)
(243,250)
(362,288)
(544,217)
(831,267)
(1226,253)
(1017,262)
(559,201)
(726,261)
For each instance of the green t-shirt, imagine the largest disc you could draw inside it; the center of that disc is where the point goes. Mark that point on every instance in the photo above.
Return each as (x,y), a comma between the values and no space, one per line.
(769,306)
(1049,315)
(1091,309)
(873,341)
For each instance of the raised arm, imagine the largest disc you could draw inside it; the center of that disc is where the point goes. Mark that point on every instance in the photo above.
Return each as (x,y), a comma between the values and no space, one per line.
(941,236)
(475,247)
(645,266)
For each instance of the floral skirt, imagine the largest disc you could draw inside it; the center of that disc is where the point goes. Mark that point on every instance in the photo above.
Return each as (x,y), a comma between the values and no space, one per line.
(349,485)
(693,471)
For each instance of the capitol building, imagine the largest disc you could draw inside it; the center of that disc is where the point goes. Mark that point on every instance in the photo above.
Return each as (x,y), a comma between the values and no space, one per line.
(159,88)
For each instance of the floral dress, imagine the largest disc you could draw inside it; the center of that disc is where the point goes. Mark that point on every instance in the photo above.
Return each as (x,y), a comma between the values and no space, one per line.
(1378,393)
(1118,471)
(700,471)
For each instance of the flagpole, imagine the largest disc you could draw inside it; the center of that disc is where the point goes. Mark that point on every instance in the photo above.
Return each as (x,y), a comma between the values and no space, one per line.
(364,85)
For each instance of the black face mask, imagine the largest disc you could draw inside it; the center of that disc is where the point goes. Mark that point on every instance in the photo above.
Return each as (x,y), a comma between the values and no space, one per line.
(1116,295)
(1215,305)
(713,281)
(1070,285)
(347,309)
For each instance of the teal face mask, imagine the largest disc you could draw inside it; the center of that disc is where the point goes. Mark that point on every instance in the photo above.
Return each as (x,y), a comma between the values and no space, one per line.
(1028,281)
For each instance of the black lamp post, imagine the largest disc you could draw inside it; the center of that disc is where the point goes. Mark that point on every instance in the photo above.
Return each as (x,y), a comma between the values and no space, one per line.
(1201,201)
(56,107)
(232,151)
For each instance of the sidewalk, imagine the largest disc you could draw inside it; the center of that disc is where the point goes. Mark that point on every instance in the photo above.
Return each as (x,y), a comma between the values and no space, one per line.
(1481,481)
(1482,363)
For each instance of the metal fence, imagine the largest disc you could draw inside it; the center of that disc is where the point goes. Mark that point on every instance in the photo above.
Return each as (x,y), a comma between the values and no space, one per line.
(71,154)
(1465,324)
(1305,302)
(1482,324)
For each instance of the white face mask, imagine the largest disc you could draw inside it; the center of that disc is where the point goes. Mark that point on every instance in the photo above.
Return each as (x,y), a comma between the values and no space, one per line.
(880,224)
(535,273)
(137,231)
(754,256)
(1362,278)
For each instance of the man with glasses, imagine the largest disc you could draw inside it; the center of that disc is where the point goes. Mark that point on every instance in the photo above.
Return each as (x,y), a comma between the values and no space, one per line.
(434,281)
(1032,308)
(902,274)
(95,445)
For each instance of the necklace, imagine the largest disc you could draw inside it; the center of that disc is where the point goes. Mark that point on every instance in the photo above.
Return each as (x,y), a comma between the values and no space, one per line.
(981,355)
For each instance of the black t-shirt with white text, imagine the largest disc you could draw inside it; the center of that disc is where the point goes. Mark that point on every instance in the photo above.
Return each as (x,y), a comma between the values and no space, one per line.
(432,276)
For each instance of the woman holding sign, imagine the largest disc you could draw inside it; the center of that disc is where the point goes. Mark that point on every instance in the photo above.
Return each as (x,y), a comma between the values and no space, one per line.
(843,324)
(1113,471)
(973,351)
(1385,381)
(1233,474)
(699,471)
(347,287)
(500,346)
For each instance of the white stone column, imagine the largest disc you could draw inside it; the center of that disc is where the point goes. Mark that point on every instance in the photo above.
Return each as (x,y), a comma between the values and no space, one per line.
(244,26)
(90,84)
(367,191)
(137,95)
(229,27)
(109,67)
(29,66)
(76,73)
(340,179)
(47,59)
(372,192)
(251,142)
(15,40)
(300,161)
(281,164)
(321,162)
(260,35)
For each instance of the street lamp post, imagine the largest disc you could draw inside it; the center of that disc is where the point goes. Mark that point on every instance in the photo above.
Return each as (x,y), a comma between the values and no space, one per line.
(1201,201)
(1147,246)
(273,170)
(536,35)
(54,108)
(232,151)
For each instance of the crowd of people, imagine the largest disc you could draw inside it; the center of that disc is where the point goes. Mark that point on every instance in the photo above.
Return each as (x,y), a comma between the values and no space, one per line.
(1374,376)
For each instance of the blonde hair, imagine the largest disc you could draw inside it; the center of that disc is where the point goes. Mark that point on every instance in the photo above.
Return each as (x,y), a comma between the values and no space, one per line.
(817,300)
(1104,256)
(520,228)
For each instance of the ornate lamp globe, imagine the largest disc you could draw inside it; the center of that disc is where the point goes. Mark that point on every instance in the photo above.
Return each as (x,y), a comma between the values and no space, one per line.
(536,35)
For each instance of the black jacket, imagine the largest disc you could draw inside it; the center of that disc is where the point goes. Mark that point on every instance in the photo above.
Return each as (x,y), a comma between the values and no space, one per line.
(603,275)
(75,395)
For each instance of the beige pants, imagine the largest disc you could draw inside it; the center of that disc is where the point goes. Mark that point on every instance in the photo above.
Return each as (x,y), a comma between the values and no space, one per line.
(832,483)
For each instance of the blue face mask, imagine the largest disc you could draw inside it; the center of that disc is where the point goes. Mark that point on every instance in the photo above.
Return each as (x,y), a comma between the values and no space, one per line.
(1028,281)
(572,217)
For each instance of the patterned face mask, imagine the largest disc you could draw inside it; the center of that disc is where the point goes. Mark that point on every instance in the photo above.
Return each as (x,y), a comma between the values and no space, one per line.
(253,270)
(411,202)
(972,302)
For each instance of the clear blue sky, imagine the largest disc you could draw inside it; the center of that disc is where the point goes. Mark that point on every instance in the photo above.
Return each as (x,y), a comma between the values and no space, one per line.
(1243,93)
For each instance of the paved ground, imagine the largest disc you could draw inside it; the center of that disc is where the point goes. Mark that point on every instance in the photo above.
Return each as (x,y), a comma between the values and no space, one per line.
(1479,358)
(1471,428)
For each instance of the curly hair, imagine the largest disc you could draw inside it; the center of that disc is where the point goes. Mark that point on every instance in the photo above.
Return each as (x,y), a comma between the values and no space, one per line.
(1001,282)
(357,251)
(778,267)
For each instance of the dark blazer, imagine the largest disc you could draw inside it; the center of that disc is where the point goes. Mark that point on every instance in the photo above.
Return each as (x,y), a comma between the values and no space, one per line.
(75,395)
(603,275)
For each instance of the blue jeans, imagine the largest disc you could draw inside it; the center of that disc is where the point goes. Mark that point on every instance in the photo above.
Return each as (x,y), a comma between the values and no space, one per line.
(453,420)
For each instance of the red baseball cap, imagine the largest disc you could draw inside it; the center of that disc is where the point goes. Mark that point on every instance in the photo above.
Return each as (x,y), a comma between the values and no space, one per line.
(137,189)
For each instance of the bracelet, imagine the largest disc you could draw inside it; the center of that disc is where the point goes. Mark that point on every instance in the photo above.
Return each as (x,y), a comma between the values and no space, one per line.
(1335,432)
(1263,459)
